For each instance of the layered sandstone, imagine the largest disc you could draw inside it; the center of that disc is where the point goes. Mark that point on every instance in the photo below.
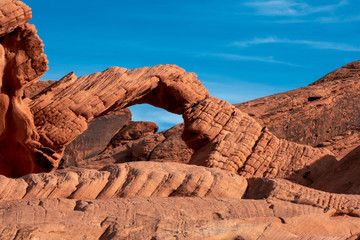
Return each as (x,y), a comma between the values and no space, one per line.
(322,113)
(171,218)
(342,177)
(226,138)
(37,87)
(136,179)
(13,14)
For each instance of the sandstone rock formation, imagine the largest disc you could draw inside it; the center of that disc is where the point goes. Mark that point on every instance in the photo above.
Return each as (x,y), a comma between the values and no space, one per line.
(13,14)
(325,112)
(322,114)
(171,218)
(342,177)
(21,61)
(36,87)
(166,146)
(133,131)
(221,135)
(227,138)
(63,112)
(157,198)
(136,179)
(280,189)
(96,137)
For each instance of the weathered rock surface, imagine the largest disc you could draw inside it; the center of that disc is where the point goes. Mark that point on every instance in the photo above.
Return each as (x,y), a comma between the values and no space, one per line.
(96,137)
(21,62)
(136,179)
(163,200)
(99,131)
(166,146)
(221,135)
(63,112)
(12,15)
(322,114)
(226,138)
(133,131)
(318,113)
(281,189)
(342,177)
(37,87)
(170,218)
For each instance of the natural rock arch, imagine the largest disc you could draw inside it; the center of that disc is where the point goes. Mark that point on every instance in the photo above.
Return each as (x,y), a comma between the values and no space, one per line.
(221,135)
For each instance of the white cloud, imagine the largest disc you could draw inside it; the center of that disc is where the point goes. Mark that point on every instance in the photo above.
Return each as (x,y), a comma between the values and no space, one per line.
(290,7)
(236,57)
(313,44)
(338,19)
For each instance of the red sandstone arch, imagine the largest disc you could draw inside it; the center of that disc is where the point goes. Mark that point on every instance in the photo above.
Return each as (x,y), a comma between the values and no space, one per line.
(221,135)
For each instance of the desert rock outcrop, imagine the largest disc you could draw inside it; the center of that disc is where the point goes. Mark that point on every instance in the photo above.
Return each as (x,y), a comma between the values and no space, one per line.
(147,195)
(13,14)
(166,146)
(136,179)
(96,137)
(342,177)
(63,112)
(226,138)
(171,218)
(21,61)
(221,135)
(133,131)
(323,113)
(37,87)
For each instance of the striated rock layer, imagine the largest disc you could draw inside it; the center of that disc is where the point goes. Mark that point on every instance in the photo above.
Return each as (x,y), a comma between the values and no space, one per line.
(36,88)
(171,218)
(13,14)
(226,138)
(324,113)
(136,179)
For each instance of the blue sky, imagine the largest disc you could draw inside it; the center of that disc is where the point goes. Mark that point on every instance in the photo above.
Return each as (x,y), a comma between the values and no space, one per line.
(240,50)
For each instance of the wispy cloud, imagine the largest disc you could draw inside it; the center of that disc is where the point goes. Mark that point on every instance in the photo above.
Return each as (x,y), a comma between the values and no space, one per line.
(236,57)
(290,7)
(313,44)
(338,19)
(326,19)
